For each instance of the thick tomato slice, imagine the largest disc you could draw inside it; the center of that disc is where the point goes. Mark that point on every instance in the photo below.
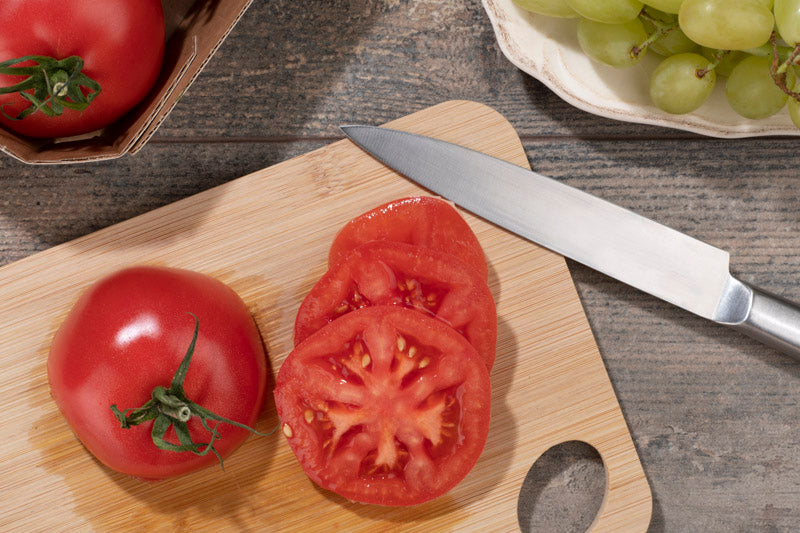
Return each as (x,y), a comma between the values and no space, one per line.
(423,220)
(393,273)
(385,405)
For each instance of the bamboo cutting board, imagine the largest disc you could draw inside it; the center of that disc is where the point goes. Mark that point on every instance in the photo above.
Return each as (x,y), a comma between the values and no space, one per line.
(267,236)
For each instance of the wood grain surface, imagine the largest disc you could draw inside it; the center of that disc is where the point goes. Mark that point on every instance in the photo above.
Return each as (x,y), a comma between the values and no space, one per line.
(712,413)
(549,382)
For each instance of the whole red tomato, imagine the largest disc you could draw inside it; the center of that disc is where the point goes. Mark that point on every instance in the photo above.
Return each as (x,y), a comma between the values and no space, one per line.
(121,44)
(126,337)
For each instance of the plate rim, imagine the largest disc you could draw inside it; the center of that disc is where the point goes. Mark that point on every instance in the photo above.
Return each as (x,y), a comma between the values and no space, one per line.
(508,41)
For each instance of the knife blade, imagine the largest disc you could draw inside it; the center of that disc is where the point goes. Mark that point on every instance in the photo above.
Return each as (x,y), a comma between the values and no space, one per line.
(638,251)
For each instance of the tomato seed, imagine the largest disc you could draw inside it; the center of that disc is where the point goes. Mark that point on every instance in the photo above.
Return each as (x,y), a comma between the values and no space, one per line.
(425,362)
(287,430)
(365,360)
(401,344)
(412,351)
(308,415)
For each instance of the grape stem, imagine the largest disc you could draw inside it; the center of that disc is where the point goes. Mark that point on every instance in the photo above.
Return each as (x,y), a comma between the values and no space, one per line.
(661,29)
(718,56)
(659,24)
(766,50)
(778,69)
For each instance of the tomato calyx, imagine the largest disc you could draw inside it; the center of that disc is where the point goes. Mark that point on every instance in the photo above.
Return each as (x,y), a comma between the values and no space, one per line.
(57,84)
(170,407)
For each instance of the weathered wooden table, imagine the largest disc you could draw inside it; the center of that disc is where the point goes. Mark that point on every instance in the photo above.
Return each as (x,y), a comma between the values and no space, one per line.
(712,413)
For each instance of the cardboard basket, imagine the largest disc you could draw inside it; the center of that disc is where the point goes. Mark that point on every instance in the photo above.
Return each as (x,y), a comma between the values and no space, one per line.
(194,31)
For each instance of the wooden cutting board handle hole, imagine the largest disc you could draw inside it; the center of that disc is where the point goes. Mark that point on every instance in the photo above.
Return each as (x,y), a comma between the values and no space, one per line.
(564,490)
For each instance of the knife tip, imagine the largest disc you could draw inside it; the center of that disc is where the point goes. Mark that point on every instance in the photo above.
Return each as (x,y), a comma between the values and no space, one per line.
(345,128)
(357,133)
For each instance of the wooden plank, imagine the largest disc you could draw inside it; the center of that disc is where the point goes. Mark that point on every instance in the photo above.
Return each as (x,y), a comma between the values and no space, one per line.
(387,60)
(549,381)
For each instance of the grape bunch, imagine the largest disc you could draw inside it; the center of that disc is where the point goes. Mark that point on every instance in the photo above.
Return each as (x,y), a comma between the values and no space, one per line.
(755,44)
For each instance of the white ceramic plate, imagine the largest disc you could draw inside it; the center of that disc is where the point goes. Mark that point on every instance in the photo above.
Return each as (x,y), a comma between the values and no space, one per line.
(547,48)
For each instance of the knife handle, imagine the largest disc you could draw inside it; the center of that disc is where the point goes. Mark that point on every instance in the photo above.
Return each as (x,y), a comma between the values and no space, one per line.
(772,320)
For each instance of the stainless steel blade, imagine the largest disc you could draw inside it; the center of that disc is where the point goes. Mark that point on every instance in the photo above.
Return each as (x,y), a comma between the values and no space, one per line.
(626,246)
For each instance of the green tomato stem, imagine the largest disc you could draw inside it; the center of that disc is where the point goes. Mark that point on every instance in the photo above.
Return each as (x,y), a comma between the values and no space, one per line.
(170,407)
(51,85)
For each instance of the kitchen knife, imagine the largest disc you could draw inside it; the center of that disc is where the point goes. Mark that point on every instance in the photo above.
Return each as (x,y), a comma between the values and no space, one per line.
(635,250)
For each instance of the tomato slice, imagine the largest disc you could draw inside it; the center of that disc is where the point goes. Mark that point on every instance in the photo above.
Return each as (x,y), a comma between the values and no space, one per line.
(385,406)
(383,273)
(422,220)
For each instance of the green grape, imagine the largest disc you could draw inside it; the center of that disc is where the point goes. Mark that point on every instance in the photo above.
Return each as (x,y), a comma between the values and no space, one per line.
(612,44)
(662,16)
(794,111)
(673,42)
(551,8)
(608,11)
(752,92)
(787,17)
(728,61)
(667,6)
(726,24)
(680,84)
(794,106)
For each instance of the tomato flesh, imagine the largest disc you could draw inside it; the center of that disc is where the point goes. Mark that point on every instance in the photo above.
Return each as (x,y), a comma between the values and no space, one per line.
(385,405)
(393,273)
(423,221)
(126,335)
